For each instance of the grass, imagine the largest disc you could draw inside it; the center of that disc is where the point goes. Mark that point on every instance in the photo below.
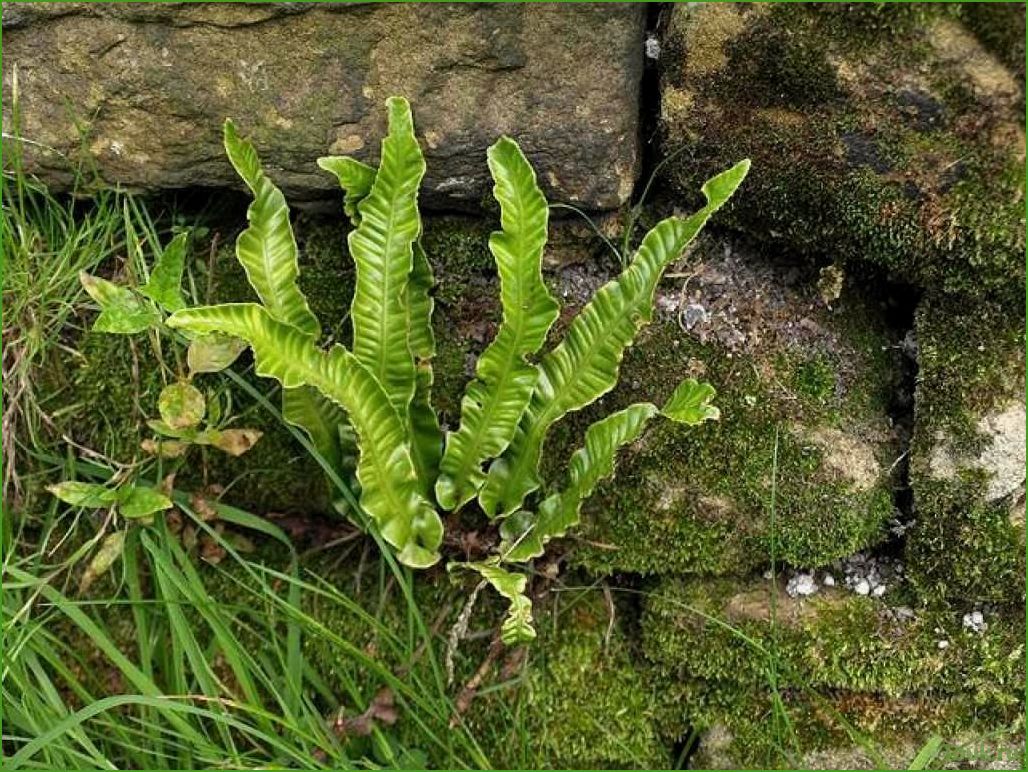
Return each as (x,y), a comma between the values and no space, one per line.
(154,667)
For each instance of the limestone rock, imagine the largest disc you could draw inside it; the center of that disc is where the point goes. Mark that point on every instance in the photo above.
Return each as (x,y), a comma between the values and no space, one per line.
(1002,456)
(885,134)
(143,91)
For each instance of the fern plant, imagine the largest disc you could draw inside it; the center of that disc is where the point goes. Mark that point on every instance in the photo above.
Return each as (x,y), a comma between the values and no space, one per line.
(372,399)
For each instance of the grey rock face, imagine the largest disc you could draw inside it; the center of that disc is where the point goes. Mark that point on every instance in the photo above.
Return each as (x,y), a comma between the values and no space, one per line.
(141,91)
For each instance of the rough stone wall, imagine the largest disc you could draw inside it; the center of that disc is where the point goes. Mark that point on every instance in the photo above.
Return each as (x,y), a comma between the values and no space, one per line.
(143,90)
(858,306)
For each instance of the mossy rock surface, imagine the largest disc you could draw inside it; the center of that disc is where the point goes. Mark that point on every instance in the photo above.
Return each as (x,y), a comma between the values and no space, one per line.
(968,453)
(829,670)
(732,630)
(881,135)
(804,445)
(839,730)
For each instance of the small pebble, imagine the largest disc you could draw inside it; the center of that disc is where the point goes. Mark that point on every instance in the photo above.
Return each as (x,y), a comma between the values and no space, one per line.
(862,587)
(878,591)
(652,46)
(975,621)
(801,585)
(943,644)
(828,580)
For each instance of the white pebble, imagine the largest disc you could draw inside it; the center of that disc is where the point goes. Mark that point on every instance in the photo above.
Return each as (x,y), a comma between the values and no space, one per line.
(863,587)
(652,47)
(828,580)
(801,584)
(975,621)
(943,644)
(878,591)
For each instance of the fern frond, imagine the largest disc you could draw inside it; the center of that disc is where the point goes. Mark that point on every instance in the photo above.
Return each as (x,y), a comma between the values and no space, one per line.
(267,248)
(390,490)
(586,363)
(425,433)
(382,248)
(495,401)
(525,537)
(517,626)
(355,178)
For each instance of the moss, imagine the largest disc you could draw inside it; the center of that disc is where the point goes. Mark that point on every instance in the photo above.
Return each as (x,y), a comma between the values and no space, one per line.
(834,640)
(699,500)
(110,391)
(762,729)
(586,704)
(971,363)
(962,548)
(921,177)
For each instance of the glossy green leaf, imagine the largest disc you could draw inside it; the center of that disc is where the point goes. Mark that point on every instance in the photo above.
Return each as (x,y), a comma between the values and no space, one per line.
(517,627)
(355,178)
(495,401)
(390,491)
(165,284)
(690,403)
(307,409)
(121,310)
(586,363)
(138,501)
(213,353)
(526,537)
(267,248)
(382,249)
(426,436)
(181,405)
(83,494)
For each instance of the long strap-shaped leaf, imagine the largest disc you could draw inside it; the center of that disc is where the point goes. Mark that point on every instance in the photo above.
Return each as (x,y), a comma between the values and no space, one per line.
(357,179)
(382,248)
(390,491)
(585,365)
(267,249)
(495,401)
(426,435)
(527,536)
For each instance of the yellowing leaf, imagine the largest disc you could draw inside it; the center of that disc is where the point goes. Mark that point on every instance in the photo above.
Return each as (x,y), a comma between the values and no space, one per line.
(213,353)
(181,405)
(165,448)
(110,550)
(121,310)
(235,442)
(83,494)
(137,501)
